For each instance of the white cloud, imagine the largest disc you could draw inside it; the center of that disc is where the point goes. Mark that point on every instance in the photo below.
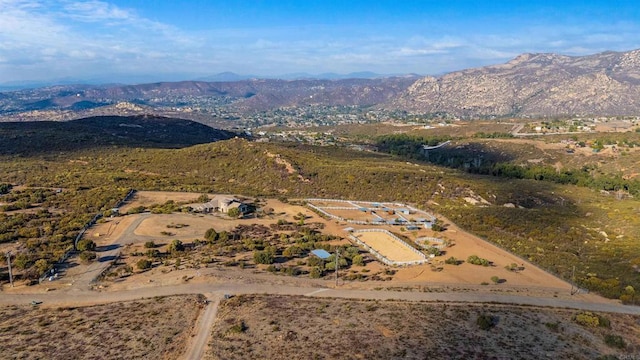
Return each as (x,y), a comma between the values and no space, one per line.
(42,39)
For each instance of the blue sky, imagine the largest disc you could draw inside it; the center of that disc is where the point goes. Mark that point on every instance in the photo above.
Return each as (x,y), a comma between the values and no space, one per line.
(132,40)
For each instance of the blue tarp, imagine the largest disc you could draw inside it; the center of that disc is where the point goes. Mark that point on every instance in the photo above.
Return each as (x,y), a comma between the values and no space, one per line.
(322,254)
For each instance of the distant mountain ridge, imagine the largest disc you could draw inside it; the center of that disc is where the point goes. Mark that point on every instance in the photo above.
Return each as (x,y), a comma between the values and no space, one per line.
(530,85)
(243,96)
(231,76)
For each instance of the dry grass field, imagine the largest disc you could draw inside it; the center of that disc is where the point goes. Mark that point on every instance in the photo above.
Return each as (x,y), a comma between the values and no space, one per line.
(157,328)
(281,327)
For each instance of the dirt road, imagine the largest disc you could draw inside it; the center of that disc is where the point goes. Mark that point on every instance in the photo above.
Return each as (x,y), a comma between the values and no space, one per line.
(85,297)
(198,344)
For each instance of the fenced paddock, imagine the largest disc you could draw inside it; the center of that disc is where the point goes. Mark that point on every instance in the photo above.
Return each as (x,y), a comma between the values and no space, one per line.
(427,242)
(388,248)
(368,212)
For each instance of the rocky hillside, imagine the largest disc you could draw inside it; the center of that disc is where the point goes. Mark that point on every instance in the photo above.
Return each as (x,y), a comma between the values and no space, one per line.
(534,85)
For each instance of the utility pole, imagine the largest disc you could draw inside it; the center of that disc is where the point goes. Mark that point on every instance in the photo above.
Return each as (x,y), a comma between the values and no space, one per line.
(573,280)
(337,266)
(9,263)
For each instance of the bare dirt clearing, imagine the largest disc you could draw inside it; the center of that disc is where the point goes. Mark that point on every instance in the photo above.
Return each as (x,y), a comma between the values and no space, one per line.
(285,327)
(155,328)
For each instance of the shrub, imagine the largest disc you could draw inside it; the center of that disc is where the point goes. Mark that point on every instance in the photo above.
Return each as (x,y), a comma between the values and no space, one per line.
(588,319)
(358,260)
(153,253)
(211,235)
(86,245)
(87,256)
(495,279)
(263,257)
(476,260)
(292,251)
(149,245)
(234,212)
(438,225)
(5,188)
(485,322)
(615,341)
(136,210)
(176,245)
(555,326)
(315,272)
(514,267)
(238,328)
(452,261)
(144,264)
(315,261)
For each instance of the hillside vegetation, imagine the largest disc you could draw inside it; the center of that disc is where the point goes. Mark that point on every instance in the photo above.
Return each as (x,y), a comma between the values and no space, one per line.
(555,225)
(300,327)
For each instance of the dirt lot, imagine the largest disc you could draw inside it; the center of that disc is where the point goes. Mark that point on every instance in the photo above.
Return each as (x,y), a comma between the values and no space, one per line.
(124,330)
(281,327)
(388,246)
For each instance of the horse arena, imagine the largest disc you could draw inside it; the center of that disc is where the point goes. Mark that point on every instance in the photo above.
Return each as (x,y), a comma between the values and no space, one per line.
(388,248)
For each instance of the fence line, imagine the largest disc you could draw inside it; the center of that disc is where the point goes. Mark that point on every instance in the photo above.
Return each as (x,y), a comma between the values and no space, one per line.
(432,239)
(383,258)
(378,221)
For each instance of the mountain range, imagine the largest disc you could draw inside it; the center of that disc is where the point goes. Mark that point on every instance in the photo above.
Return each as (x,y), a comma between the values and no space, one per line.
(530,85)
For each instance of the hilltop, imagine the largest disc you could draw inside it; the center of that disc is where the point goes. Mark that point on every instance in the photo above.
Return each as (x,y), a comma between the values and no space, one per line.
(533,85)
(132,131)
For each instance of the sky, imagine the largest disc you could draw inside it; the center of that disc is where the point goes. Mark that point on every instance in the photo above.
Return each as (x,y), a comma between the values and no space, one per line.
(134,41)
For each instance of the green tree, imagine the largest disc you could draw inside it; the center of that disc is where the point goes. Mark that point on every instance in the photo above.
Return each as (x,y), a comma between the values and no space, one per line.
(211,235)
(86,245)
(41,265)
(176,246)
(292,251)
(234,212)
(87,256)
(144,264)
(316,272)
(22,261)
(263,257)
(358,260)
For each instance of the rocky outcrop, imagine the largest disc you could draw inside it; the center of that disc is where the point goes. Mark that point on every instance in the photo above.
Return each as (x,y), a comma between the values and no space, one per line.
(533,85)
